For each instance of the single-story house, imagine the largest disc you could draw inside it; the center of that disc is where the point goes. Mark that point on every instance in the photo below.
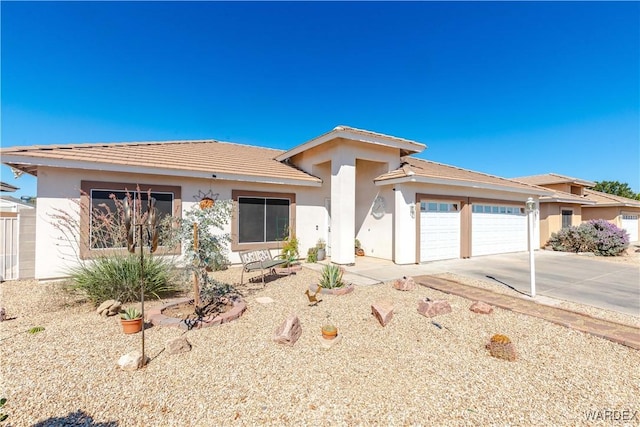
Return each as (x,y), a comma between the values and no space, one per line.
(574,201)
(343,185)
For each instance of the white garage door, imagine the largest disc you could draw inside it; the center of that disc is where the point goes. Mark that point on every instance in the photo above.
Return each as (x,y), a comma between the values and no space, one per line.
(498,229)
(439,230)
(630,223)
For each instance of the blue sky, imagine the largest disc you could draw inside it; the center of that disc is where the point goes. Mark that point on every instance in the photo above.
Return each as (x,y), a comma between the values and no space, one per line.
(509,89)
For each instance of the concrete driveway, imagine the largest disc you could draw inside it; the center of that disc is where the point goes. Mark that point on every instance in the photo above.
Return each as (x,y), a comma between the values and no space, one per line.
(578,278)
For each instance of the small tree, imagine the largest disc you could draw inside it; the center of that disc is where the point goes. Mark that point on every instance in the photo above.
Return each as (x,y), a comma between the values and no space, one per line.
(616,188)
(204,242)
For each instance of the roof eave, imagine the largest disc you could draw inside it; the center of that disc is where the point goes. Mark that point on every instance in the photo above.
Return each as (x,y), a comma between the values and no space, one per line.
(551,199)
(14,161)
(405,146)
(456,183)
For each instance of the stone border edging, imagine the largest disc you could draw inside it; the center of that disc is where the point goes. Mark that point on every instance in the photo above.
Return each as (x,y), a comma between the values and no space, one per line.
(338,291)
(156,317)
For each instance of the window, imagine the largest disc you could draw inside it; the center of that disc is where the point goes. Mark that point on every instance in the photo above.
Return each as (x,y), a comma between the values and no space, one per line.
(497,209)
(566,218)
(261,220)
(103,202)
(97,199)
(438,207)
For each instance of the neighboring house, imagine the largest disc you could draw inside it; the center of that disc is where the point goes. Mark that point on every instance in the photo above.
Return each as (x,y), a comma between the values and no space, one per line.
(17,237)
(342,185)
(574,202)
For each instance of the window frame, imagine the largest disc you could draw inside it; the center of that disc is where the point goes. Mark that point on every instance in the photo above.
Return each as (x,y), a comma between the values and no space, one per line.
(236,195)
(86,187)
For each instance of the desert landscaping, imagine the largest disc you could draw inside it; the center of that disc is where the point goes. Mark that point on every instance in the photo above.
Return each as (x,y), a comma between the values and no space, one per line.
(410,372)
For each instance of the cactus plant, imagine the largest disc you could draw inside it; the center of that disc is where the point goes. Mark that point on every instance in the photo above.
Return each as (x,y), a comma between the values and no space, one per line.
(331,277)
(131,313)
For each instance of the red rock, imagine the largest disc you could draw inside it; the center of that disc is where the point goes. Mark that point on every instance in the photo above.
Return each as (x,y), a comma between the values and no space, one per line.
(500,350)
(383,311)
(481,308)
(434,308)
(405,284)
(289,331)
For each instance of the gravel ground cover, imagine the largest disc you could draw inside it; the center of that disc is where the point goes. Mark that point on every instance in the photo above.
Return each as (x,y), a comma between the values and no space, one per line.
(407,373)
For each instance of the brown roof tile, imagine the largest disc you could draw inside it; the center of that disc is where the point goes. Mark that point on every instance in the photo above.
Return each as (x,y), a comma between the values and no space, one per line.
(413,167)
(202,155)
(605,199)
(553,178)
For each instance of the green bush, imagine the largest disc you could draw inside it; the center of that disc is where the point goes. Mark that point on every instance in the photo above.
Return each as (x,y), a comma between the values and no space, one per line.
(331,277)
(118,277)
(598,236)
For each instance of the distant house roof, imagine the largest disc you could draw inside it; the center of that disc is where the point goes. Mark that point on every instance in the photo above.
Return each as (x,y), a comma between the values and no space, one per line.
(419,170)
(4,187)
(554,178)
(605,199)
(200,158)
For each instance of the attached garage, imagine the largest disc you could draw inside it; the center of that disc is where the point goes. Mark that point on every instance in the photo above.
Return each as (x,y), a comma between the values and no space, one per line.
(439,230)
(630,224)
(498,228)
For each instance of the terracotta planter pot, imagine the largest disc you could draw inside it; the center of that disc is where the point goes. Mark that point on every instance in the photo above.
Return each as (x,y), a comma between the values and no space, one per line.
(132,326)
(329,334)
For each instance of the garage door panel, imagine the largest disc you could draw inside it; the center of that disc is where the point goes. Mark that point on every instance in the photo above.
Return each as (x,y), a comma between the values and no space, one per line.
(630,224)
(439,235)
(494,233)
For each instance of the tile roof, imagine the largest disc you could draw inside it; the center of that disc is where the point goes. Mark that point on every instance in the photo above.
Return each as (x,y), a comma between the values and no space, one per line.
(564,197)
(605,199)
(553,178)
(419,168)
(207,156)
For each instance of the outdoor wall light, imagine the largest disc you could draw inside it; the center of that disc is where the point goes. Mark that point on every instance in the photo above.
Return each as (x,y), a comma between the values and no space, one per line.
(412,210)
(531,204)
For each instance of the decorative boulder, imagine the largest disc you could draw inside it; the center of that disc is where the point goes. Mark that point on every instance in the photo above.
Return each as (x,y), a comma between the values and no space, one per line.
(131,361)
(289,331)
(383,311)
(481,308)
(405,284)
(110,307)
(178,345)
(430,308)
(501,347)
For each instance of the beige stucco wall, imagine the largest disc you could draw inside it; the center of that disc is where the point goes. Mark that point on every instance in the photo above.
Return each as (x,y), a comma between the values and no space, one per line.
(58,188)
(551,218)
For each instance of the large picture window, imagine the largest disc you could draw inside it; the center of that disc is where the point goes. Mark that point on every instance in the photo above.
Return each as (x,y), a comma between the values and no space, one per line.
(262,219)
(101,201)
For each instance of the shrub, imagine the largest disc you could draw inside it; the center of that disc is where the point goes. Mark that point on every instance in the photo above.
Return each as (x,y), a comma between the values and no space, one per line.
(598,236)
(331,277)
(118,277)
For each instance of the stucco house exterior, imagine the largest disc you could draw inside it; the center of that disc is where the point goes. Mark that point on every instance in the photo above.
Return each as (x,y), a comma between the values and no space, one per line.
(343,185)
(574,201)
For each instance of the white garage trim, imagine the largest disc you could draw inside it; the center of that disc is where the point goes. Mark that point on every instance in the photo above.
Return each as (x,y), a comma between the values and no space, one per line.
(498,228)
(630,224)
(439,230)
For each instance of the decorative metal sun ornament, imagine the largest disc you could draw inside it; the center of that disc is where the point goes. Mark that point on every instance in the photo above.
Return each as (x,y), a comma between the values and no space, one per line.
(206,199)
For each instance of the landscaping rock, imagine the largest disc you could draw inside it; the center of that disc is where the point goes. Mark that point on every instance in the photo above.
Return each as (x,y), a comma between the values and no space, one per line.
(131,361)
(110,307)
(405,284)
(481,308)
(430,308)
(177,345)
(383,311)
(289,331)
(264,300)
(327,344)
(3,315)
(501,347)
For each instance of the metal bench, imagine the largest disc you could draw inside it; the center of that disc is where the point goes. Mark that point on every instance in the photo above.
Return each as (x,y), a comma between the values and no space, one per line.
(259,259)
